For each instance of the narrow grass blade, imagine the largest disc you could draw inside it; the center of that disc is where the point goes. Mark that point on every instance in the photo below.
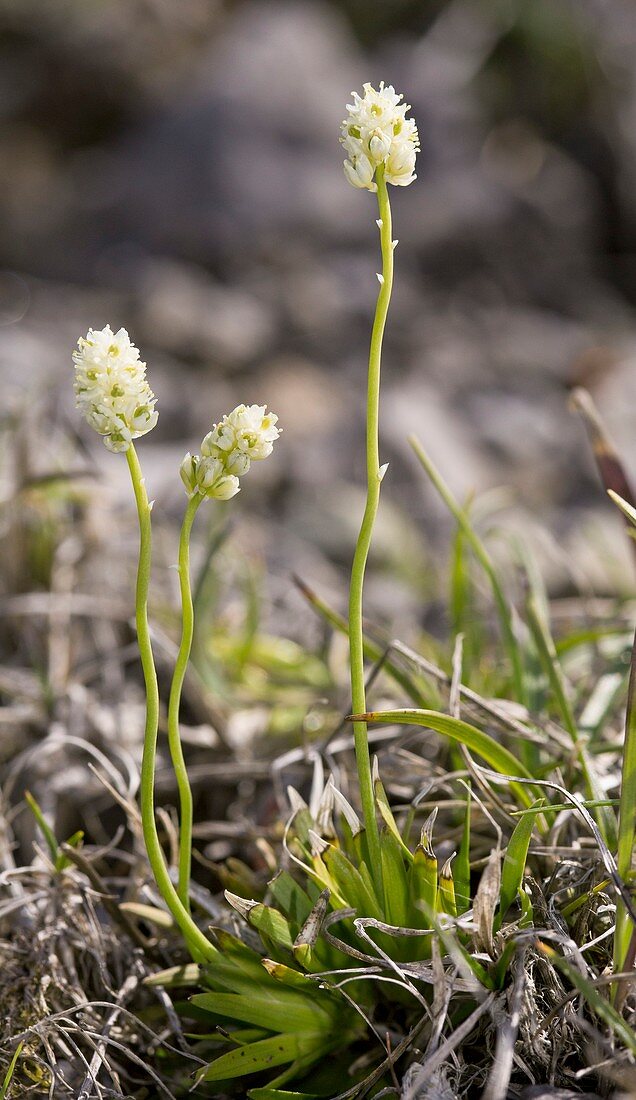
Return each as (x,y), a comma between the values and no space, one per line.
(552,668)
(595,1000)
(627,509)
(461,871)
(281,1094)
(504,610)
(11,1070)
(386,813)
(463,613)
(372,650)
(556,807)
(626,820)
(45,828)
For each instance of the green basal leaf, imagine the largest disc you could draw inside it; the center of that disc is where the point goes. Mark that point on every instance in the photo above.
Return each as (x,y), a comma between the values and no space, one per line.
(515,860)
(422,885)
(290,977)
(275,1009)
(292,899)
(394,880)
(268,921)
(446,895)
(382,803)
(263,1055)
(499,758)
(351,886)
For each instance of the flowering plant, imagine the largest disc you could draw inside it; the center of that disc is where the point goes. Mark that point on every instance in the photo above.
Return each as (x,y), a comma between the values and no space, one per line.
(360,900)
(113,394)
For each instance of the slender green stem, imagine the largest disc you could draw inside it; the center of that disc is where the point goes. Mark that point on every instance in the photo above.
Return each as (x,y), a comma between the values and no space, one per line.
(199,946)
(174,738)
(374,477)
(626,821)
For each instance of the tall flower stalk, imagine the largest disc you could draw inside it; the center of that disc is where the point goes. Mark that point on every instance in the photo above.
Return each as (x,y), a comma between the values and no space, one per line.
(247,434)
(186,803)
(198,944)
(374,478)
(381,146)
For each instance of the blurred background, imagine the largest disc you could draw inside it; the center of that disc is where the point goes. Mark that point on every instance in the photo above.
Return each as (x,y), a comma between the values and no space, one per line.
(174,168)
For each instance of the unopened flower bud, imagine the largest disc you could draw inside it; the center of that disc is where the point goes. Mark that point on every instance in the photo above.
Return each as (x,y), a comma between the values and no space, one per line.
(246,434)
(188,471)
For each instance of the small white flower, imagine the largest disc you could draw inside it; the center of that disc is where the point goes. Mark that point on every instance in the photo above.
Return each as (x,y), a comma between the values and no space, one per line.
(237,463)
(359,171)
(247,433)
(377,132)
(111,388)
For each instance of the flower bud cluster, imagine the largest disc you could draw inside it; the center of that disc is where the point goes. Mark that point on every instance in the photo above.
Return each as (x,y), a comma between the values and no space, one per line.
(376,132)
(111,388)
(244,436)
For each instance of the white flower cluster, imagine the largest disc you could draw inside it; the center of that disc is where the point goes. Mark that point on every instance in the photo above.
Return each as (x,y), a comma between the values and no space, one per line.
(245,435)
(377,132)
(111,387)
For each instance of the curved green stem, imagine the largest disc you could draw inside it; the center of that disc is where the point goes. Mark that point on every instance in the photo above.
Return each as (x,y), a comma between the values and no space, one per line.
(374,477)
(198,944)
(174,738)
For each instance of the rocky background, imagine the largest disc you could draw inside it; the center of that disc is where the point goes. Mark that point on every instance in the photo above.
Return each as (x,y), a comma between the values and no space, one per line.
(174,168)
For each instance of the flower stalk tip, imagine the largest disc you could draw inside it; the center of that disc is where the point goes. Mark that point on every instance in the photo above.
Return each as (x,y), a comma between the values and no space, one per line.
(376,133)
(111,388)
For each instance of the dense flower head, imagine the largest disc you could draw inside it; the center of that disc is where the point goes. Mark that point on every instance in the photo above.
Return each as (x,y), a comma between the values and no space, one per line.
(377,132)
(245,435)
(111,387)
